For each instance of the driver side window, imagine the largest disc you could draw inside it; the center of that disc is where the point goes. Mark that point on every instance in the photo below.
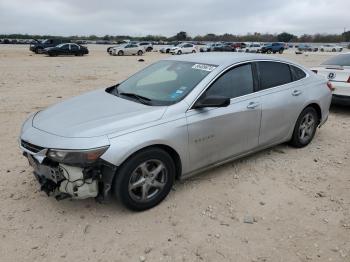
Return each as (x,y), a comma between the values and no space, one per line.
(234,83)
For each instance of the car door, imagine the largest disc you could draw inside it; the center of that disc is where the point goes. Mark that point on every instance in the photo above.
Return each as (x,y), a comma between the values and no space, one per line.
(127,49)
(217,134)
(282,99)
(74,49)
(186,49)
(64,50)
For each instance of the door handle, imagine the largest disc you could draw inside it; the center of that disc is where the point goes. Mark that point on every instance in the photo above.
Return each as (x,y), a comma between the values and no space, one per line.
(253,105)
(296,92)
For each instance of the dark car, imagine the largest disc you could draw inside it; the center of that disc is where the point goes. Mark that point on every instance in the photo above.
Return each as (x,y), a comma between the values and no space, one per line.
(227,47)
(67,49)
(273,48)
(38,46)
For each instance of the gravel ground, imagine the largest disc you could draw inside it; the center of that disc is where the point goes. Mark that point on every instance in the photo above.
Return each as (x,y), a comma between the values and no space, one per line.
(281,204)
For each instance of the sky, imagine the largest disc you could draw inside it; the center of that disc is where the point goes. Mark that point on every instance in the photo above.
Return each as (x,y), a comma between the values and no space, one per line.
(162,17)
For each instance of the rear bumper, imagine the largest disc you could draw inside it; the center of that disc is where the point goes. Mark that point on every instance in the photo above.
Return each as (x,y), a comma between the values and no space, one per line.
(341,100)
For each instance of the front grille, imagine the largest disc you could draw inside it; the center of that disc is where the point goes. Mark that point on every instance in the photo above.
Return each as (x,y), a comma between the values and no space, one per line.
(31,147)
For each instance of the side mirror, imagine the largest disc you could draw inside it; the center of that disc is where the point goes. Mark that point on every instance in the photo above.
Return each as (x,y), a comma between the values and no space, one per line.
(212,101)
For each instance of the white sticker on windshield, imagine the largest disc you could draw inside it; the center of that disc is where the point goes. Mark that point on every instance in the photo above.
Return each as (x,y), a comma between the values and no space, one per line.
(204,67)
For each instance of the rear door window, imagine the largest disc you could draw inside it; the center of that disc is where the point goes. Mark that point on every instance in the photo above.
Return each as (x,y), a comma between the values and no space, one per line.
(273,74)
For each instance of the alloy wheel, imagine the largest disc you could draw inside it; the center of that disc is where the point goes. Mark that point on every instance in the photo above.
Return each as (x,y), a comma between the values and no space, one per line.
(307,127)
(147,180)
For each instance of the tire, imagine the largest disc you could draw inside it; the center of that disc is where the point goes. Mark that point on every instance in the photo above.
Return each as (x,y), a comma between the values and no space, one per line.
(193,51)
(280,51)
(269,51)
(333,50)
(139,52)
(137,172)
(247,50)
(149,49)
(322,50)
(52,54)
(120,53)
(167,51)
(304,130)
(179,52)
(37,50)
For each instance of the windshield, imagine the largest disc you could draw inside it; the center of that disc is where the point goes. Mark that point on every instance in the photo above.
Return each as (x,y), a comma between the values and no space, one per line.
(165,82)
(340,60)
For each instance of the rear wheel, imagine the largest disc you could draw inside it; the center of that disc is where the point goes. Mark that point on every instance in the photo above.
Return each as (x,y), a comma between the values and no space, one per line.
(333,50)
(280,51)
(322,50)
(120,53)
(193,51)
(305,127)
(145,179)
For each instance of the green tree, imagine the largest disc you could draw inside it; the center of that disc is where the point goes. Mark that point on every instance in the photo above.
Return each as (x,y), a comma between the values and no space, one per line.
(285,37)
(346,36)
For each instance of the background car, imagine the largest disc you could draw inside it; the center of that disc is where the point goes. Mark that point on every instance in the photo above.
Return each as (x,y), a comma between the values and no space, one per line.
(337,70)
(38,46)
(273,48)
(330,48)
(183,48)
(128,49)
(253,48)
(225,47)
(305,47)
(67,49)
(147,46)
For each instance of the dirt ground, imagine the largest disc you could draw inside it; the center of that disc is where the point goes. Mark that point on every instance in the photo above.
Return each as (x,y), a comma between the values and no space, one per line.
(297,200)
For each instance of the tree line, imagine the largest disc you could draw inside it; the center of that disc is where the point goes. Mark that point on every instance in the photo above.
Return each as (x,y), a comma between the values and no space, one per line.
(183,36)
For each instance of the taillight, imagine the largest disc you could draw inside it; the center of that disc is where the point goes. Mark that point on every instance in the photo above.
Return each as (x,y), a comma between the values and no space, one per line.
(330,86)
(315,71)
(348,80)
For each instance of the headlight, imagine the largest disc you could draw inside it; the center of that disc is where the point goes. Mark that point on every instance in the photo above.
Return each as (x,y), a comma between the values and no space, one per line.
(76,157)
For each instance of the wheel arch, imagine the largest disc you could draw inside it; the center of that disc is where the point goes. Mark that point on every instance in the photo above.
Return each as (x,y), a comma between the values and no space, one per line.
(170,150)
(317,108)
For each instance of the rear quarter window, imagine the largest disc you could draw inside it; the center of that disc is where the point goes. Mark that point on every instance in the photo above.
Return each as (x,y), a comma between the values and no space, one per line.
(273,74)
(297,73)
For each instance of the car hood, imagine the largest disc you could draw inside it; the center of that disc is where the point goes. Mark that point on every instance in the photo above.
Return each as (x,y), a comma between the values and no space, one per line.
(93,114)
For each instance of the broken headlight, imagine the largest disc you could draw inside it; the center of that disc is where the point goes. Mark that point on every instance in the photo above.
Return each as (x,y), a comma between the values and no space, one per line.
(79,158)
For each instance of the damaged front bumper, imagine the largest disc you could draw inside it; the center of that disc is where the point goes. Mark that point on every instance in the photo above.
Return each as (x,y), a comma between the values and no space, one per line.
(64,181)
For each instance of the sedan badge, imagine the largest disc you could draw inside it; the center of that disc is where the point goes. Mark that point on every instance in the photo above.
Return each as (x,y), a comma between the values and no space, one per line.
(331,75)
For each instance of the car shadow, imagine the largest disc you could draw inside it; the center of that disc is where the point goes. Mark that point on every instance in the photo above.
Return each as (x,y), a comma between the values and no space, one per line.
(340,110)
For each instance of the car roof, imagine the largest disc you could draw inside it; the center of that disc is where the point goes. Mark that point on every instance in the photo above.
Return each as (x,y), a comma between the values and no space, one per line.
(225,58)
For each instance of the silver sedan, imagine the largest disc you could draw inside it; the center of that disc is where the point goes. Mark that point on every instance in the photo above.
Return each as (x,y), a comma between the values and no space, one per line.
(173,119)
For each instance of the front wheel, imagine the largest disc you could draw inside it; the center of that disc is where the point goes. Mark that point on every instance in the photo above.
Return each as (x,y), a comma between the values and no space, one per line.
(120,53)
(193,51)
(280,51)
(179,52)
(139,52)
(145,179)
(269,51)
(305,128)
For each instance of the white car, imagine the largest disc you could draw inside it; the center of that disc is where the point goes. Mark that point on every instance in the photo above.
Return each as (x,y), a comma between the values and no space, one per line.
(330,48)
(128,49)
(184,48)
(253,48)
(337,70)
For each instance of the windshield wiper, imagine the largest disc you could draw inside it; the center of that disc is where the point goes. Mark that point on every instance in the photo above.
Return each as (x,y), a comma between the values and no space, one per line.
(142,99)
